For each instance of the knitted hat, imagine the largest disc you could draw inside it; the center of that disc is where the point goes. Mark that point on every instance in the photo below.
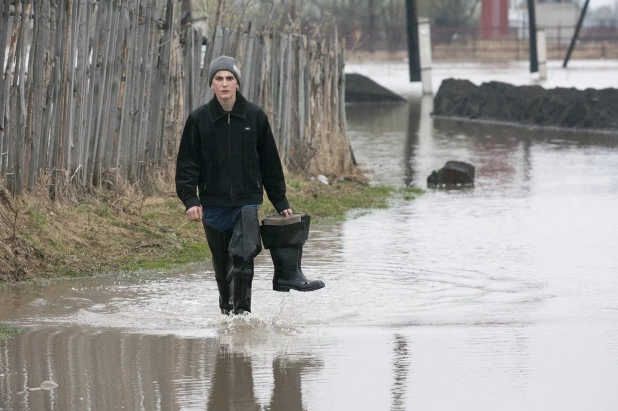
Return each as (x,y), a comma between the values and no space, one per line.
(223,63)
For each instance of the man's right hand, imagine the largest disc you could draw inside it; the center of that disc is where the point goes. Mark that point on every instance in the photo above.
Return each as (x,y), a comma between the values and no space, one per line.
(194,213)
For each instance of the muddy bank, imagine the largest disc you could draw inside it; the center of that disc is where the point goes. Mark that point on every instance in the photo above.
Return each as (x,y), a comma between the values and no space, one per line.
(529,105)
(361,89)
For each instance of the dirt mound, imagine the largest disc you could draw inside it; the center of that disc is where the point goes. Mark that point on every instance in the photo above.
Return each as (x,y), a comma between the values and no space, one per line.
(529,105)
(361,89)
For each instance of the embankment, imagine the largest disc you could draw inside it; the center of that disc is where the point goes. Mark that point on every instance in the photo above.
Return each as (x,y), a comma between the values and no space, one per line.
(567,108)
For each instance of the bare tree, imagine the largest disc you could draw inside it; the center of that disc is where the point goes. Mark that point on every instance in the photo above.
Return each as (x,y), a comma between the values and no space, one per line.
(453,13)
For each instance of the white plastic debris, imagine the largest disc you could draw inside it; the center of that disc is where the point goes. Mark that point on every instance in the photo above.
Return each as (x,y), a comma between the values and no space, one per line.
(323,179)
(48,385)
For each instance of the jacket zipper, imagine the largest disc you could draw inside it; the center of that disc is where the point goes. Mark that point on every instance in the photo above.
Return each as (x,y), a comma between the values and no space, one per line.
(229,148)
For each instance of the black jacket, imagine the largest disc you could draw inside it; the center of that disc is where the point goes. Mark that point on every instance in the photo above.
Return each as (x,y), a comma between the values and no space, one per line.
(230,157)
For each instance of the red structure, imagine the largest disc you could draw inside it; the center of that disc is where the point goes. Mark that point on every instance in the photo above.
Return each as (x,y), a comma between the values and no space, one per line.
(494,18)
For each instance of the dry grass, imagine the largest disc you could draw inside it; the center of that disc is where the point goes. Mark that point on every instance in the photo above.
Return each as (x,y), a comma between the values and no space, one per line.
(86,231)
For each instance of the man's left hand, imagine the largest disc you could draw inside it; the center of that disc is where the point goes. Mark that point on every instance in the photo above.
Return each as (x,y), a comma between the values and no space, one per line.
(287,213)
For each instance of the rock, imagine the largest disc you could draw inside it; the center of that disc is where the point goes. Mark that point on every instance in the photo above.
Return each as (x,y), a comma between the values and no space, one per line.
(453,174)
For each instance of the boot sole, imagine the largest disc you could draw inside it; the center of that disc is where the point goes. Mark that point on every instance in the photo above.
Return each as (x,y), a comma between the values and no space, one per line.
(285,288)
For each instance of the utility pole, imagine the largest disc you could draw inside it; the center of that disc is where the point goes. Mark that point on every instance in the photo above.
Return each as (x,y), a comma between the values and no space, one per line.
(372,26)
(534,60)
(412,31)
(575,35)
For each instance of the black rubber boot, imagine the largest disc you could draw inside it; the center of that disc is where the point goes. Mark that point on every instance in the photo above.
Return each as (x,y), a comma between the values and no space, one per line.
(244,246)
(225,298)
(242,295)
(285,239)
(218,242)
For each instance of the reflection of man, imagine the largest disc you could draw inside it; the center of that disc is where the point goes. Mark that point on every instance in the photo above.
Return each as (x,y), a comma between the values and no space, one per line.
(232,382)
(287,393)
(233,388)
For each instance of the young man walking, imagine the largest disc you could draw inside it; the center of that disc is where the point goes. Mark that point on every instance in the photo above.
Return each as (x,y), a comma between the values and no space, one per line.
(228,152)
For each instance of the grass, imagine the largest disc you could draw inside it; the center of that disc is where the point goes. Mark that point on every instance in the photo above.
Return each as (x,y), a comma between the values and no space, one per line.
(410,193)
(329,204)
(96,235)
(6,331)
(184,254)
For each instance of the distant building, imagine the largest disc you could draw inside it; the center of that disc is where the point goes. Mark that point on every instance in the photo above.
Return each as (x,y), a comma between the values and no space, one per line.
(494,18)
(557,17)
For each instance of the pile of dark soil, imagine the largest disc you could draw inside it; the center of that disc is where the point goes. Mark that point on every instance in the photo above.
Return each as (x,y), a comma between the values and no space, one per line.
(529,105)
(361,89)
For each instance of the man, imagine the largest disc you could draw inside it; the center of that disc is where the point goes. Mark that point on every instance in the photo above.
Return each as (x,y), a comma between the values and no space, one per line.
(228,152)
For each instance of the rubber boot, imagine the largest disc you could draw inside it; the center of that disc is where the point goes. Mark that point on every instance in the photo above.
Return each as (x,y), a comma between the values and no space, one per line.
(218,242)
(241,289)
(306,219)
(244,246)
(285,237)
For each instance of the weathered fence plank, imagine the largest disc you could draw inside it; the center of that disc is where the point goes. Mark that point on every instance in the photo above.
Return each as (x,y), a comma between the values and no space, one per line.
(163,78)
(91,95)
(38,88)
(189,74)
(94,165)
(111,117)
(147,109)
(122,111)
(70,149)
(131,145)
(47,126)
(20,83)
(82,47)
(7,24)
(141,91)
(67,72)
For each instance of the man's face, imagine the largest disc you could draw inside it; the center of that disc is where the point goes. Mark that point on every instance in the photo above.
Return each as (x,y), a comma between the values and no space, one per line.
(224,84)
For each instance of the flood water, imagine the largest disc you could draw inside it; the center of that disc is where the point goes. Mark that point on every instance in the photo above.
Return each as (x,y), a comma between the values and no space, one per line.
(499,297)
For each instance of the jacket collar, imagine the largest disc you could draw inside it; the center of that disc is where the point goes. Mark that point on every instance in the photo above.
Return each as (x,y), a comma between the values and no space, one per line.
(239,109)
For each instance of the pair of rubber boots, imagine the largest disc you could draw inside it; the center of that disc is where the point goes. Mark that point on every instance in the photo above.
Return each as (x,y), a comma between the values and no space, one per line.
(285,238)
(233,252)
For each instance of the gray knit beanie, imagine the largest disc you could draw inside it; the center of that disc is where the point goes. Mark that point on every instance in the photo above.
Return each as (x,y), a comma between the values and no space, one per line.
(223,63)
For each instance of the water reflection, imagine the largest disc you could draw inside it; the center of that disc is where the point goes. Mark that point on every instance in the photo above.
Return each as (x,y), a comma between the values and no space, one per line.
(288,372)
(402,144)
(401,365)
(110,370)
(232,382)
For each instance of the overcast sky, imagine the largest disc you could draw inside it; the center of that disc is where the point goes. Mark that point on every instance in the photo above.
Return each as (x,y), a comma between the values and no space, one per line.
(598,3)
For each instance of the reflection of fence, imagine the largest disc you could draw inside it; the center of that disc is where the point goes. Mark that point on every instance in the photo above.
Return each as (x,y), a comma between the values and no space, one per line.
(123,108)
(472,43)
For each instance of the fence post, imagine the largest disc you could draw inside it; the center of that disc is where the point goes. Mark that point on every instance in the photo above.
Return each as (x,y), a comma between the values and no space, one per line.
(4,35)
(424,36)
(541,44)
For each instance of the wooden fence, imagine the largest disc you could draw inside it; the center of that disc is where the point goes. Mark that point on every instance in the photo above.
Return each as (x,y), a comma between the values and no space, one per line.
(91,87)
